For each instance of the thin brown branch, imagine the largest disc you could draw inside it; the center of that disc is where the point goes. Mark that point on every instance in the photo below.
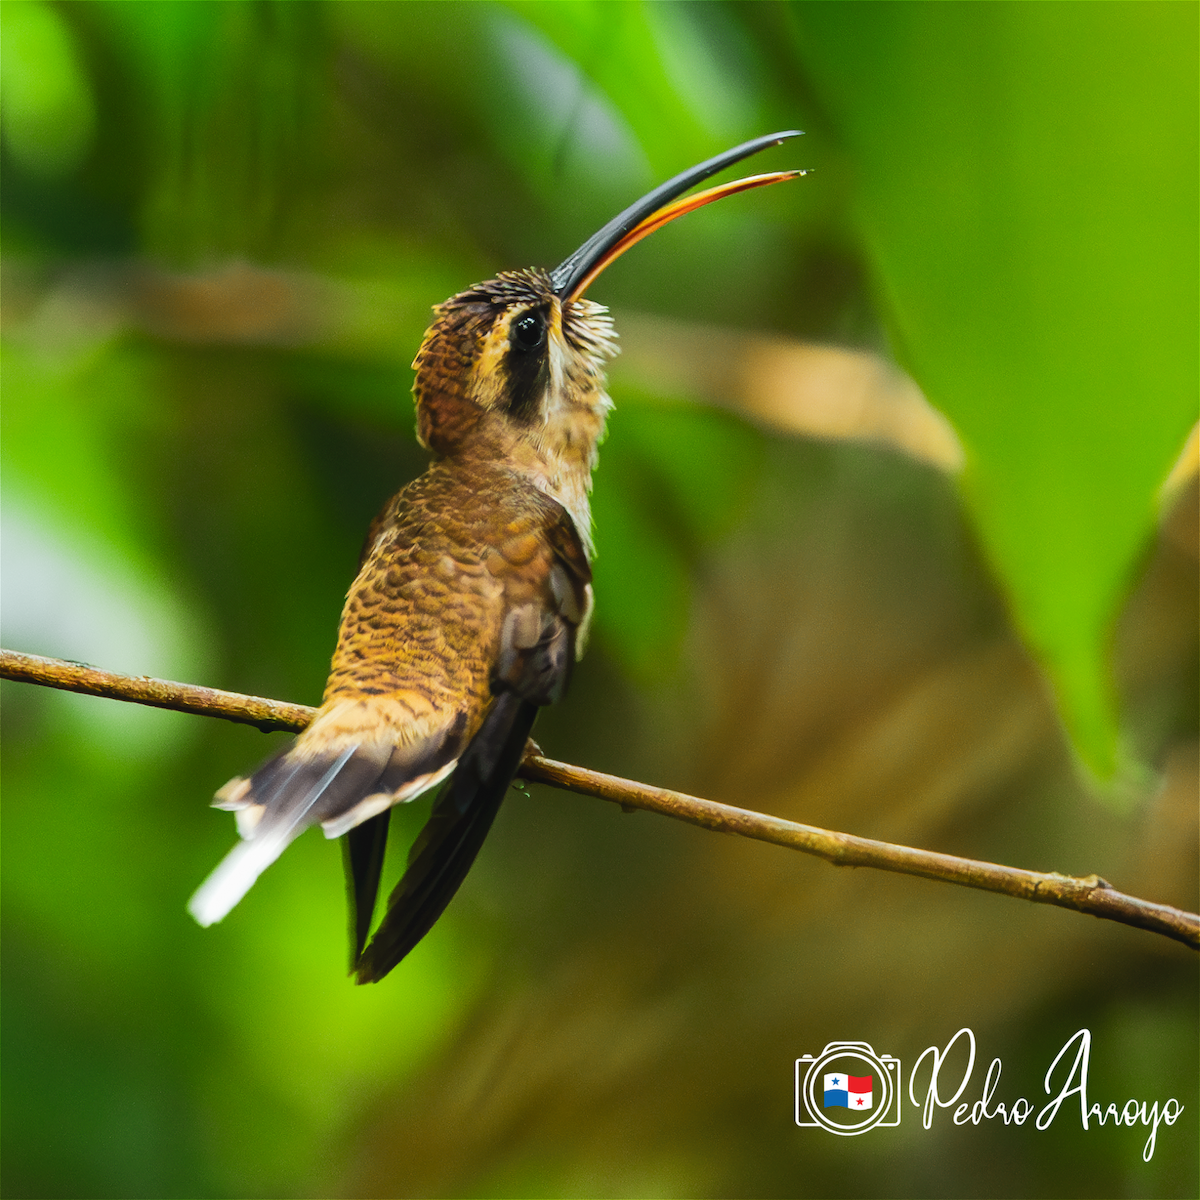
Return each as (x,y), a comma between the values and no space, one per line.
(267,715)
(1089,895)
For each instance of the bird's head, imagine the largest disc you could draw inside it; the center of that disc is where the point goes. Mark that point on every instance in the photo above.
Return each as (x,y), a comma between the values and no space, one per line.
(510,359)
(512,369)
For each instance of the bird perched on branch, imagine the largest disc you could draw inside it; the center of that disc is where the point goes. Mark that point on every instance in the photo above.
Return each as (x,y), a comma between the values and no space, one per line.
(473,596)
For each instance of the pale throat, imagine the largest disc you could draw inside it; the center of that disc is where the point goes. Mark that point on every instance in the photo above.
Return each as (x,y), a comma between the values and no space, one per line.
(557,455)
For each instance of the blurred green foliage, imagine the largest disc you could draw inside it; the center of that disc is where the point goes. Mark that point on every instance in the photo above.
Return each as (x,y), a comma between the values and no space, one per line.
(224,225)
(1027,182)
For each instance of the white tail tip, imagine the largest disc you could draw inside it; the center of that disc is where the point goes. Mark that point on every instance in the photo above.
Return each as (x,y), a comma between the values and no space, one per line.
(233,878)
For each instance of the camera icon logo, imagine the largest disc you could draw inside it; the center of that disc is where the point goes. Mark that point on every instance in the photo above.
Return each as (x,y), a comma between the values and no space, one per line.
(848,1089)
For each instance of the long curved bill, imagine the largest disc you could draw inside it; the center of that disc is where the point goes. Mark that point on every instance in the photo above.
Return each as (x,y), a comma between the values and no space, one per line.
(654,210)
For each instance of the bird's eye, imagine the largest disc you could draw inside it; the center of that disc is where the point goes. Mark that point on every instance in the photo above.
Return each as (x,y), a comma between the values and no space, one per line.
(529,332)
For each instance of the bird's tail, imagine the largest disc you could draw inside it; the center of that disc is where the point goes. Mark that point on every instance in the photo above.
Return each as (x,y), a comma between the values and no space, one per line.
(443,853)
(339,786)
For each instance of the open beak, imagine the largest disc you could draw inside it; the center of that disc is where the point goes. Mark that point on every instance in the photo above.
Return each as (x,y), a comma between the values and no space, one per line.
(573,275)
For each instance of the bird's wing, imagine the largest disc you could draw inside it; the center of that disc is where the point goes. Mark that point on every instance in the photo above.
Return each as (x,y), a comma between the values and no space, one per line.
(537,651)
(446,848)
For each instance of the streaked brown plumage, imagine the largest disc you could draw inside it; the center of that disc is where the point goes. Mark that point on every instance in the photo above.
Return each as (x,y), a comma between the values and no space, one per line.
(473,596)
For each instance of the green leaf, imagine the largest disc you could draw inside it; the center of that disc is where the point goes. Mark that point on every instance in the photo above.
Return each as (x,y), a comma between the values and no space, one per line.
(1027,190)
(49,113)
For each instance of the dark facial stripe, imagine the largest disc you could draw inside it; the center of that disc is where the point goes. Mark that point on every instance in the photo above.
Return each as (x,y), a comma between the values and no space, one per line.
(526,365)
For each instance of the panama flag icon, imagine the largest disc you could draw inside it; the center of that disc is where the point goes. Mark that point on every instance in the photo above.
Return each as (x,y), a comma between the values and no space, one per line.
(848,1091)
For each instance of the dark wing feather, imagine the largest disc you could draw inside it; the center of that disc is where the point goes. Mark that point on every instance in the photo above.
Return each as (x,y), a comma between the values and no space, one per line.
(364,850)
(447,846)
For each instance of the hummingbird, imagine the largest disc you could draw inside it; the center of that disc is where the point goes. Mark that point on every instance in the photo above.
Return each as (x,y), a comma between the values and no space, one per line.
(473,596)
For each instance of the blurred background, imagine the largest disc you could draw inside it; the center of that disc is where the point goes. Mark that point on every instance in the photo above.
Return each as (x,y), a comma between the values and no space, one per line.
(818,594)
